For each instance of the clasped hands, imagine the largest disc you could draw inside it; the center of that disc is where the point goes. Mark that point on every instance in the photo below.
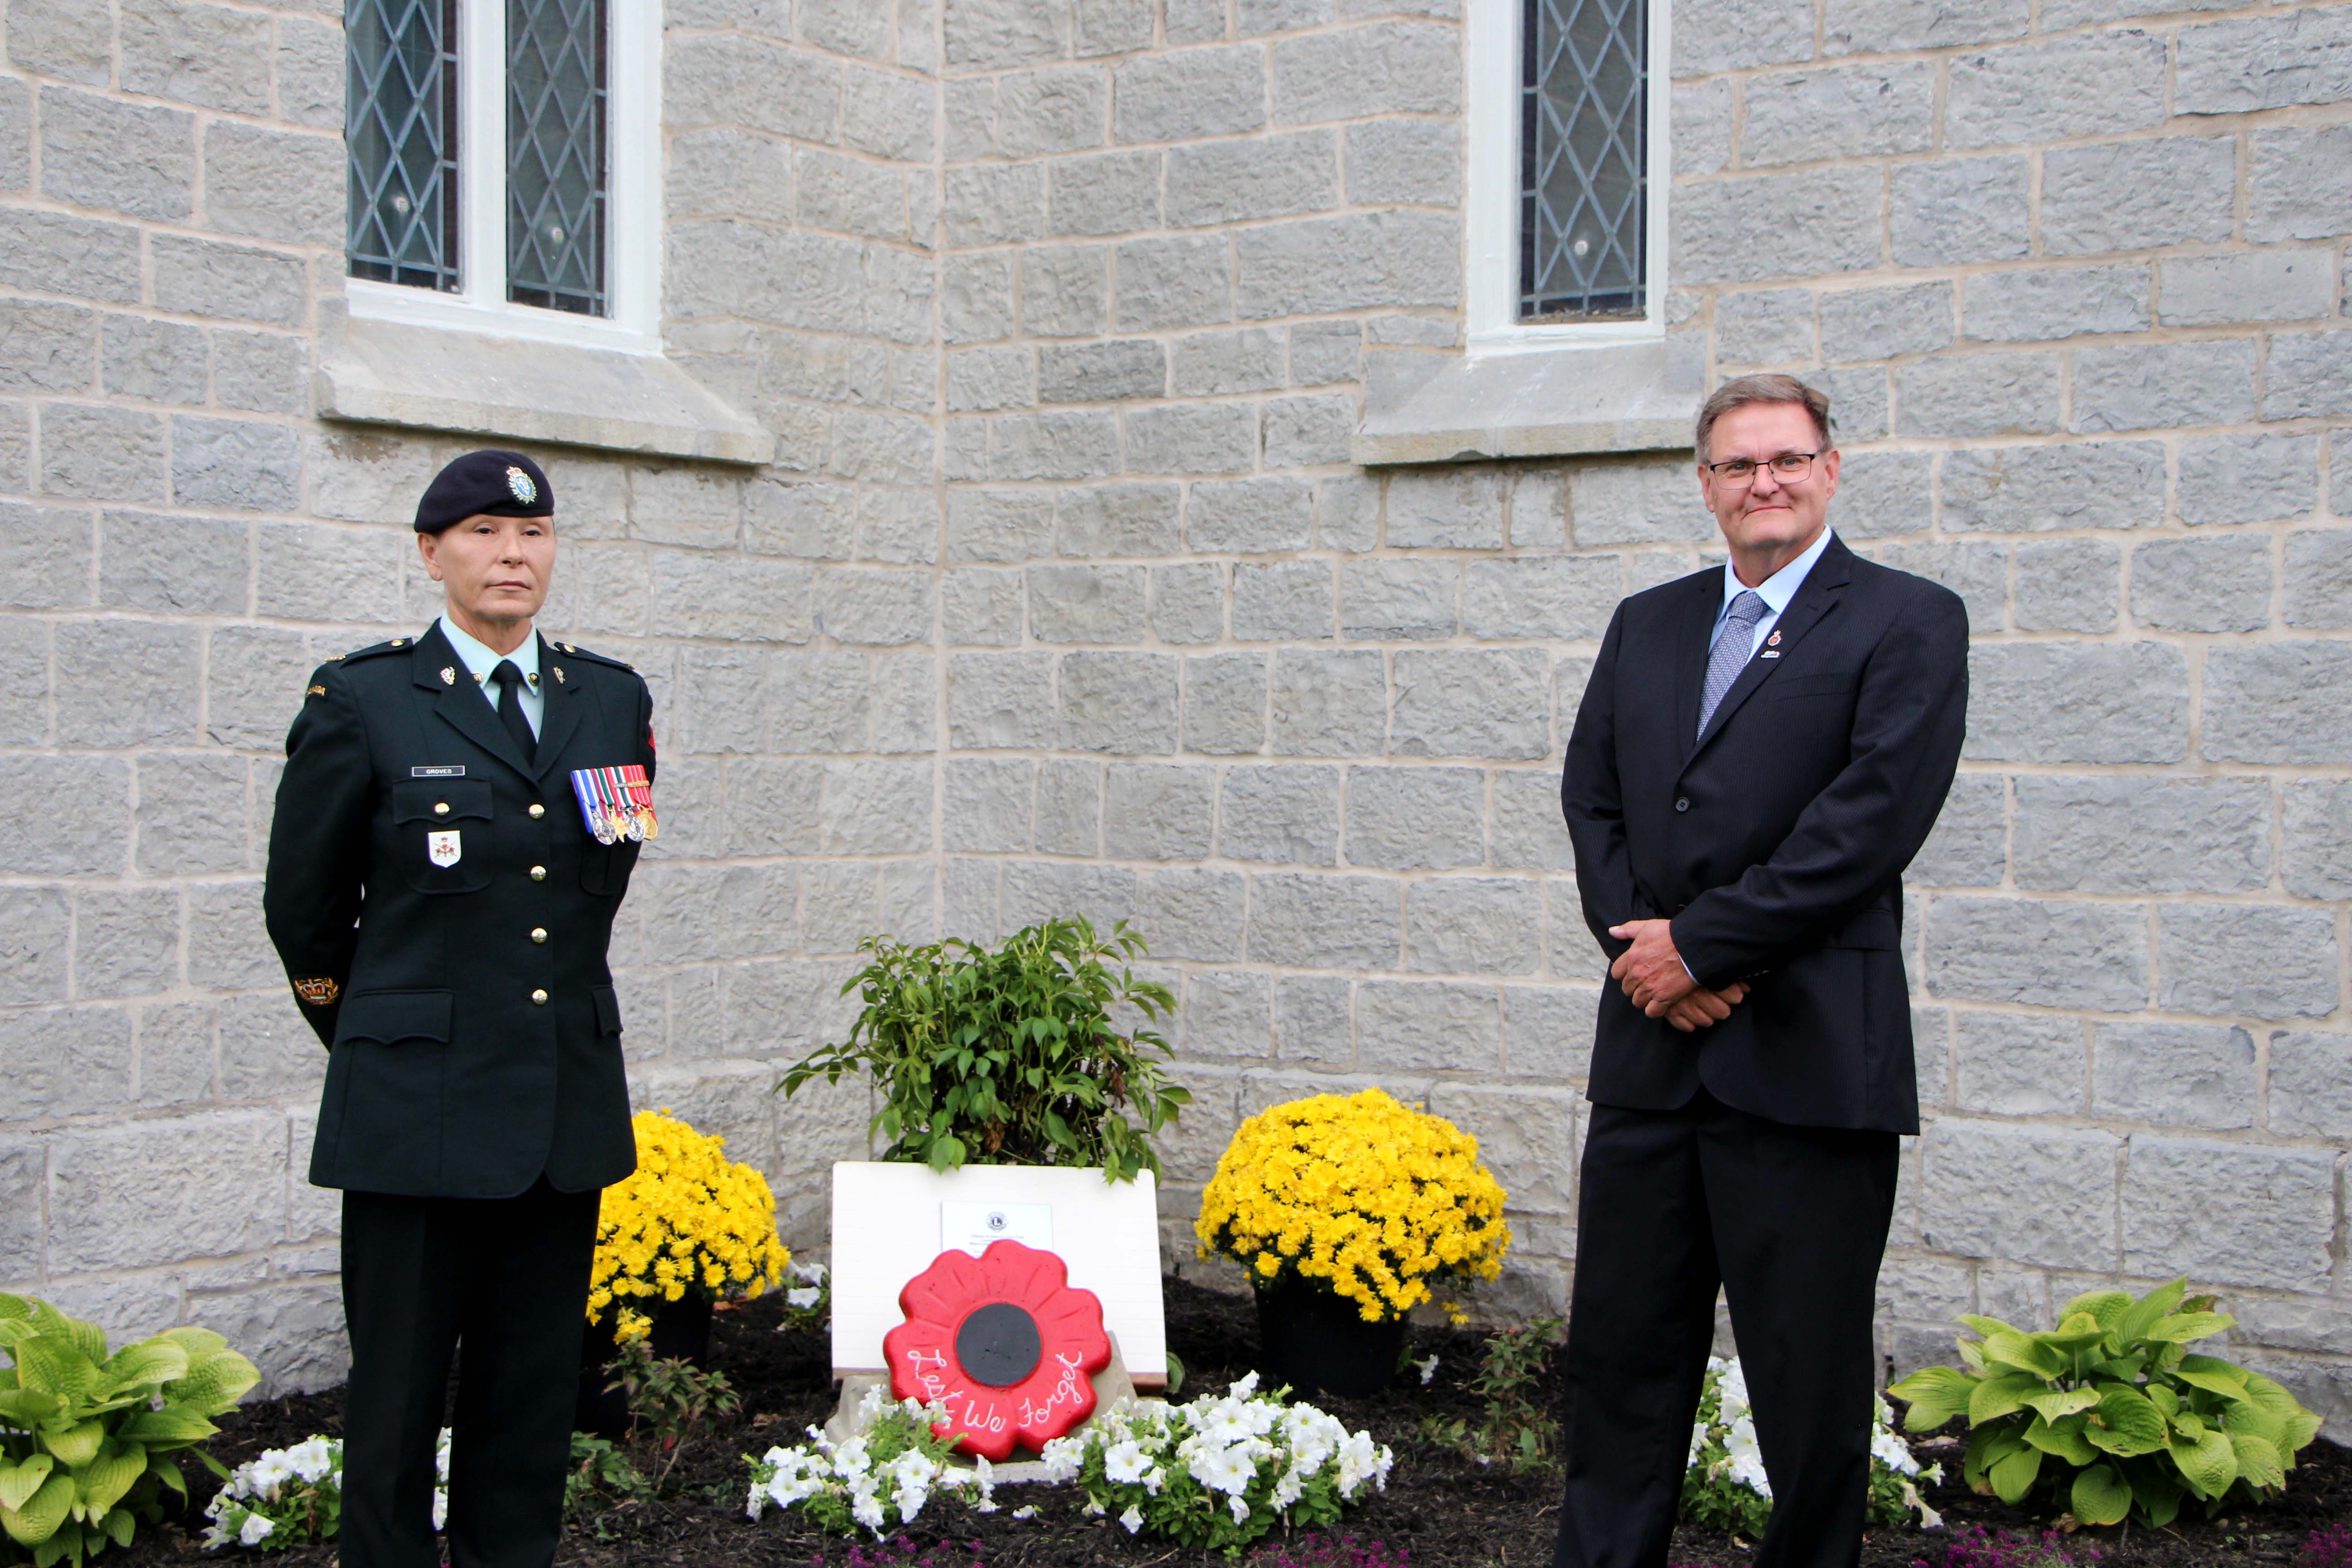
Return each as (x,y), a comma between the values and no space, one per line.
(1654,975)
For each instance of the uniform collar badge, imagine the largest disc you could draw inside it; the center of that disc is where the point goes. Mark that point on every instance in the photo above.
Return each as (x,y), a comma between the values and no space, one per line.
(448,675)
(559,673)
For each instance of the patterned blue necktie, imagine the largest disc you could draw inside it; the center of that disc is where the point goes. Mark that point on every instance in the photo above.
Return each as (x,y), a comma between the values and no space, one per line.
(1732,650)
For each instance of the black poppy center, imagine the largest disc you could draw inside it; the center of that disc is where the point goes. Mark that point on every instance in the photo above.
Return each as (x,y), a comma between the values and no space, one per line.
(998,1345)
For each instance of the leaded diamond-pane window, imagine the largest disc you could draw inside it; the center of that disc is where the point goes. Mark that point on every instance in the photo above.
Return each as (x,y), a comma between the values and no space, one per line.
(555,154)
(400,131)
(1583,163)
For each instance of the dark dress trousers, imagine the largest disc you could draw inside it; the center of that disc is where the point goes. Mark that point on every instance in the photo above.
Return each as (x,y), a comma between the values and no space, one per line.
(1757,1155)
(444,916)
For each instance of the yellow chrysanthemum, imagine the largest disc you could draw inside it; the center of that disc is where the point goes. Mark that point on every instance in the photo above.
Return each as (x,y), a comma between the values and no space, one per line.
(689,1218)
(1371,1199)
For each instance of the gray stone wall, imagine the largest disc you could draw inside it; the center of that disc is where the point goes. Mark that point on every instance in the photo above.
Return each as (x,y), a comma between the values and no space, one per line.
(1063,596)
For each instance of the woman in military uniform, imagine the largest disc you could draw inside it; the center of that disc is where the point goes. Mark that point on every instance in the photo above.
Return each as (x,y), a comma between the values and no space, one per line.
(454,830)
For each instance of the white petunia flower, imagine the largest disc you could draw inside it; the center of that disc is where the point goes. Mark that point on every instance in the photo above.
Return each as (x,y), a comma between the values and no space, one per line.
(1428,1366)
(1132,1518)
(1026,1511)
(803,1296)
(256,1530)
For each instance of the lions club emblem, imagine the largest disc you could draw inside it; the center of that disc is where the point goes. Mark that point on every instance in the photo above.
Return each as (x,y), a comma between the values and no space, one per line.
(519,483)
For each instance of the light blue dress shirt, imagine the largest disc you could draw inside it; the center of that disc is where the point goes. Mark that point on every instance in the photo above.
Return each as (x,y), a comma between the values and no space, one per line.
(480,659)
(1776,591)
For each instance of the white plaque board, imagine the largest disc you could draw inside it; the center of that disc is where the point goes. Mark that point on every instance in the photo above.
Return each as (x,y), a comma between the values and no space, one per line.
(889,1221)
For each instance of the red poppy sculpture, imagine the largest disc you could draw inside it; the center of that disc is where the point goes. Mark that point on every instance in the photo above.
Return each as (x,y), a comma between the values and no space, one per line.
(1005,1341)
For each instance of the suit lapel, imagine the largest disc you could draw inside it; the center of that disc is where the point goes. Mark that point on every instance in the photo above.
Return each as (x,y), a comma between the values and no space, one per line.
(560,708)
(1817,597)
(1692,621)
(461,703)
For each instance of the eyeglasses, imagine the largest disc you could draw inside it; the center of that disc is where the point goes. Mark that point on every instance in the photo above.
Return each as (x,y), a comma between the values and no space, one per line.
(1738,473)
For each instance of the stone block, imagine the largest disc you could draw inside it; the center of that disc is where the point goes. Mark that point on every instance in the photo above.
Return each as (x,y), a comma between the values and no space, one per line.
(1116,520)
(70,41)
(1302,431)
(1846,111)
(1637,504)
(1322,352)
(1528,832)
(1069,808)
(192,816)
(1036,892)
(1880,494)
(1063,290)
(50,348)
(261,372)
(236,464)
(981,608)
(1001,701)
(2310,1085)
(1052,446)
(2026,1194)
(1425,1026)
(208,56)
(1832,217)
(975,298)
(2263,62)
(1005,32)
(1349,507)
(2047,954)
(2278,702)
(986,807)
(1408,162)
(2260,286)
(2130,195)
(1953,210)
(66,1062)
(1189,93)
(2140,386)
(850,195)
(1286,814)
(137,683)
(2088,85)
(93,453)
(1308,922)
(1153,811)
(744,597)
(1453,508)
(1208,363)
(1541,598)
(1358,73)
(1398,600)
(1881,26)
(2247,961)
(1005,524)
(45,557)
(228,950)
(817,700)
(1225,704)
(2251,478)
(991,203)
(1711,35)
(2082,702)
(865,605)
(1264,177)
(1113,27)
(93,838)
(2202,585)
(2173,1075)
(1044,111)
(1978,395)
(1874,323)
(23,1175)
(2012,1064)
(1968,848)
(1108,192)
(1283,601)
(1076,604)
(2033,489)
(139,1194)
(1188,602)
(2307,378)
(267,1050)
(2301,184)
(983,381)
(2044,305)
(875,808)
(1245,517)
(2317,836)
(284,185)
(1228,1015)
(1119,702)
(1474,925)
(1416,818)
(1184,282)
(1191,914)
(1472,703)
(1314,266)
(2281,1204)
(36,248)
(2142,834)
(1978,573)
(134,159)
(1331,704)
(1313,1020)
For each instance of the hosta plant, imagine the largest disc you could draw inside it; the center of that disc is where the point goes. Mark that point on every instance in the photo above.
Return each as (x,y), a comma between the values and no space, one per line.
(86,1438)
(2109,1415)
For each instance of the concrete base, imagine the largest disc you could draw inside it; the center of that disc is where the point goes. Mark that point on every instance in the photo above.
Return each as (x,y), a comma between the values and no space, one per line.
(1111,1384)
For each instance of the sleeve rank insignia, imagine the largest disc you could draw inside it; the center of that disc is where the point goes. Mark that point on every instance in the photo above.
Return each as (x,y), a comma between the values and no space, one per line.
(316,691)
(319,991)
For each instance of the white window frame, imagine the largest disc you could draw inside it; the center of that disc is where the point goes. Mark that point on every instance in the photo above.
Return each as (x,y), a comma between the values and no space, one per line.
(632,205)
(1491,231)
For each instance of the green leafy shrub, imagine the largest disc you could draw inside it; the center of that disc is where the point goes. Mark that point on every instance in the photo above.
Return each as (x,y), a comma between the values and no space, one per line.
(1008,1055)
(86,1438)
(2109,1415)
(671,1402)
(1518,1427)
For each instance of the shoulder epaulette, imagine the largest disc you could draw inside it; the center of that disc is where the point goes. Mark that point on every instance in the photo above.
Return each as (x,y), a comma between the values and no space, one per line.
(574,651)
(397,645)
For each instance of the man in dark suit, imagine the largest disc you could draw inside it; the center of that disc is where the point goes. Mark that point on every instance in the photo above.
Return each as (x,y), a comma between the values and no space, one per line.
(1761,751)
(442,910)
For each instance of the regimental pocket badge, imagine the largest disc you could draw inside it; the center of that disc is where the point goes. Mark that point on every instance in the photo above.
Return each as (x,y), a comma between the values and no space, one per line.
(617,803)
(443,848)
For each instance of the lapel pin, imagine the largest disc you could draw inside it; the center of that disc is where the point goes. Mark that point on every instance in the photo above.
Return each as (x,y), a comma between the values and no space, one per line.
(448,675)
(1773,641)
(559,673)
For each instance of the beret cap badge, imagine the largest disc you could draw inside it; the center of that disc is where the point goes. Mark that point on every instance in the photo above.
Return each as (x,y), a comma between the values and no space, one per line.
(519,483)
(484,484)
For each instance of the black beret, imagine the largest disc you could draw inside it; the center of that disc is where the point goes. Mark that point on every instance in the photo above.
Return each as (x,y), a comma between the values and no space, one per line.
(493,484)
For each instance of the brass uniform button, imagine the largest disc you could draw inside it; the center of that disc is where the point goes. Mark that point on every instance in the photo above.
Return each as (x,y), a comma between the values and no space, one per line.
(539,934)
(440,808)
(538,998)
(537,811)
(539,873)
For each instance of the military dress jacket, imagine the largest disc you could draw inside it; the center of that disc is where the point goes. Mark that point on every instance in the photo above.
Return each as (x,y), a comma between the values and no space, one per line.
(444,915)
(1775,841)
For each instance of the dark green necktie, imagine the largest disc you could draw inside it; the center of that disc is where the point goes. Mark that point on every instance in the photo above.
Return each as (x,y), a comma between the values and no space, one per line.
(509,681)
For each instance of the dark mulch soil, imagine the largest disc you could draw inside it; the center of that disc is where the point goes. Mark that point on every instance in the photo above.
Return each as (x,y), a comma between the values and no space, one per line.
(1444,1510)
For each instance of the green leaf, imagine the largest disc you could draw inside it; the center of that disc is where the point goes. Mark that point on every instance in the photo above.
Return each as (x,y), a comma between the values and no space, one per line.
(2145,1312)
(1999,1395)
(2063,1438)
(2026,1352)
(118,1526)
(2063,1402)
(2186,1328)
(148,1361)
(1985,1327)
(1935,1394)
(53,1363)
(2012,1477)
(165,1470)
(78,1443)
(109,1477)
(2212,1374)
(22,1480)
(2260,1464)
(2107,1306)
(2300,1426)
(2099,1495)
(173,1425)
(42,1514)
(2208,1463)
(2158,1494)
(2126,1423)
(65,1542)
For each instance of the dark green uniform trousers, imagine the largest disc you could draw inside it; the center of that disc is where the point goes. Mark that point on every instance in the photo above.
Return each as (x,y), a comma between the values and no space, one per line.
(504,1283)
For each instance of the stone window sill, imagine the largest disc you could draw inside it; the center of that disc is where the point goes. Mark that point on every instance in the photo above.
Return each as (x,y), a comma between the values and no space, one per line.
(1537,403)
(434,378)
